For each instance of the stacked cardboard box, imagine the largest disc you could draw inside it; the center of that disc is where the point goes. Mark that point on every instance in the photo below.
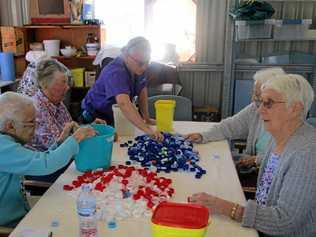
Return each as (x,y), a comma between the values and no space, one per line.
(12,40)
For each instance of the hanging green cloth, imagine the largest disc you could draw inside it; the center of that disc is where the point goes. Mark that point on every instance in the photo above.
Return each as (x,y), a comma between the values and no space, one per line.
(253,10)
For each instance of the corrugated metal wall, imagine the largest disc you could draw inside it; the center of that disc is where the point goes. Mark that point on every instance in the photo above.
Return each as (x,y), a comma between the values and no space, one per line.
(203,83)
(210,31)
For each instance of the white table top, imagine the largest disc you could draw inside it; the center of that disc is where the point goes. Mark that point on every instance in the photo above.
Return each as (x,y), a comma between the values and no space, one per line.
(221,180)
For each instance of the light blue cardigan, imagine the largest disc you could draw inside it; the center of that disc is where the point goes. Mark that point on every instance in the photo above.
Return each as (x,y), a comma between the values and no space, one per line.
(17,161)
(291,203)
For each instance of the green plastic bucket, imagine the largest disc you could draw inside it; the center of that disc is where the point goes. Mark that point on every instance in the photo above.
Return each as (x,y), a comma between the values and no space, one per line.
(96,152)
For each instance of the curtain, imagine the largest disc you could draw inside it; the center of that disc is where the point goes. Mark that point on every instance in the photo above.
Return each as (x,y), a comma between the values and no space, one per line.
(14,12)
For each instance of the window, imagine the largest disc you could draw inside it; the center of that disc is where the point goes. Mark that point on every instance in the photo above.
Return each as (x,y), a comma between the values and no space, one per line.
(169,25)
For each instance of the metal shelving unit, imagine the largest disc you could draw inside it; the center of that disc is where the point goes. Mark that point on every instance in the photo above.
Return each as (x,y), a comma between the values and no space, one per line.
(234,71)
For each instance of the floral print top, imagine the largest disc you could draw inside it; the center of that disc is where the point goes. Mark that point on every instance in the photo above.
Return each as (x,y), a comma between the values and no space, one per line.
(266,179)
(28,85)
(50,121)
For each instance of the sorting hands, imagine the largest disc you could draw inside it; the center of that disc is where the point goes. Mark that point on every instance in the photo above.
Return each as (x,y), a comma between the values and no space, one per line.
(207,200)
(246,162)
(214,204)
(99,121)
(155,134)
(194,137)
(83,133)
(69,129)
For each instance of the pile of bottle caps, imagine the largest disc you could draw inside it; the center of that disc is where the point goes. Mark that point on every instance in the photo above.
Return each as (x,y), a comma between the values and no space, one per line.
(174,153)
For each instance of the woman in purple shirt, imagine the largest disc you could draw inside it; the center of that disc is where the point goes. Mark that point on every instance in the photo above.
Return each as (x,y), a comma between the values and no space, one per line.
(119,82)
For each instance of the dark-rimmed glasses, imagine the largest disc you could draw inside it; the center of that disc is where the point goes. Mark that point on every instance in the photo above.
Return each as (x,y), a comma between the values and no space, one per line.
(139,63)
(268,104)
(27,123)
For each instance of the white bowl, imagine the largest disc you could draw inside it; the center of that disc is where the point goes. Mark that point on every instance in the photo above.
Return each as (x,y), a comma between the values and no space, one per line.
(68,52)
(92,52)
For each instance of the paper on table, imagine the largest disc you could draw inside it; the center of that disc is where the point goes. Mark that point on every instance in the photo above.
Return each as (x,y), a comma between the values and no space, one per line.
(27,232)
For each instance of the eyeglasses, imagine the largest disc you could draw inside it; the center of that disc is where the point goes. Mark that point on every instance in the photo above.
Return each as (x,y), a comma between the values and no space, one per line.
(267,104)
(139,63)
(27,123)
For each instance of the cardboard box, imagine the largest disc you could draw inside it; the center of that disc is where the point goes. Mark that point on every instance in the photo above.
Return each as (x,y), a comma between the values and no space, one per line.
(20,66)
(12,40)
(89,78)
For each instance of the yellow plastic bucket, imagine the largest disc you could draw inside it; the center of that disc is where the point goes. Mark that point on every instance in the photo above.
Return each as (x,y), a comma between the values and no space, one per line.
(164,114)
(165,231)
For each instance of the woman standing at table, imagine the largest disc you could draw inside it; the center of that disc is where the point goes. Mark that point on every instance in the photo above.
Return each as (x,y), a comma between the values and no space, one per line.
(119,82)
(285,202)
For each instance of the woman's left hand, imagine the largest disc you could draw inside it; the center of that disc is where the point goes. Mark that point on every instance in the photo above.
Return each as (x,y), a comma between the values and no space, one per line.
(68,129)
(99,121)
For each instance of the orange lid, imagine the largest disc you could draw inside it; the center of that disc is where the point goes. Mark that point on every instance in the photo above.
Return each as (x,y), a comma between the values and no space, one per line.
(183,215)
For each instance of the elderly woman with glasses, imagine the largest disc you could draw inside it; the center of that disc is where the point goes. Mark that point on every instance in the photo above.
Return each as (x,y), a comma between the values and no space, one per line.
(17,126)
(53,120)
(51,114)
(285,198)
(244,125)
(119,82)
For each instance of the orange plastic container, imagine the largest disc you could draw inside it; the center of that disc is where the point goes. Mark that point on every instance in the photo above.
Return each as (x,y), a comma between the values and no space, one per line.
(179,220)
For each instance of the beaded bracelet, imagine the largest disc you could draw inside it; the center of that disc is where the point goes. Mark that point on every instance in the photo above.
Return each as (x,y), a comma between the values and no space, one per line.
(233,211)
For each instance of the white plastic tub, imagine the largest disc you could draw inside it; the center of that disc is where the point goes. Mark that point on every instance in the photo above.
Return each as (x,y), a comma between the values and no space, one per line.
(291,29)
(254,29)
(122,125)
(51,47)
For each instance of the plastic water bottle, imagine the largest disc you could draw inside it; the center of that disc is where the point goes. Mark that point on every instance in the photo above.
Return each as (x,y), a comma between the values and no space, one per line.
(86,209)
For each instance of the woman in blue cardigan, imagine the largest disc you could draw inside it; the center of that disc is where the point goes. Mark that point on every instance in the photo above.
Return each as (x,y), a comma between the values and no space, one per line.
(17,126)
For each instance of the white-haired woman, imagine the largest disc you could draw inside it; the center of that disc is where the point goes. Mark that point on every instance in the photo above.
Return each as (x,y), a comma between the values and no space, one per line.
(17,126)
(285,198)
(51,114)
(244,125)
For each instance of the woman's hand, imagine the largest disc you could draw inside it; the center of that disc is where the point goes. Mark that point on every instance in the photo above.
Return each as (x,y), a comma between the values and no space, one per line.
(99,121)
(155,134)
(246,161)
(194,137)
(69,128)
(83,133)
(214,204)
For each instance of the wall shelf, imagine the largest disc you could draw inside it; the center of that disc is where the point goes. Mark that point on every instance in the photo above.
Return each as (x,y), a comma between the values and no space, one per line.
(61,26)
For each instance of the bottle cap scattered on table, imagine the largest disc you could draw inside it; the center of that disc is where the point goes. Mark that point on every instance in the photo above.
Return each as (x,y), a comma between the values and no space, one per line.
(173,154)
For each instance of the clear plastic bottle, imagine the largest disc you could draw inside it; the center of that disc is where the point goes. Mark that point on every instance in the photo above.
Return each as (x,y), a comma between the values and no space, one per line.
(86,209)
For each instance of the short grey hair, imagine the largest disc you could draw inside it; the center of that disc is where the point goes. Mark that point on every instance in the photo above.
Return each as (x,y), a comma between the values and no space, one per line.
(294,88)
(266,74)
(135,44)
(13,107)
(45,72)
(307,90)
